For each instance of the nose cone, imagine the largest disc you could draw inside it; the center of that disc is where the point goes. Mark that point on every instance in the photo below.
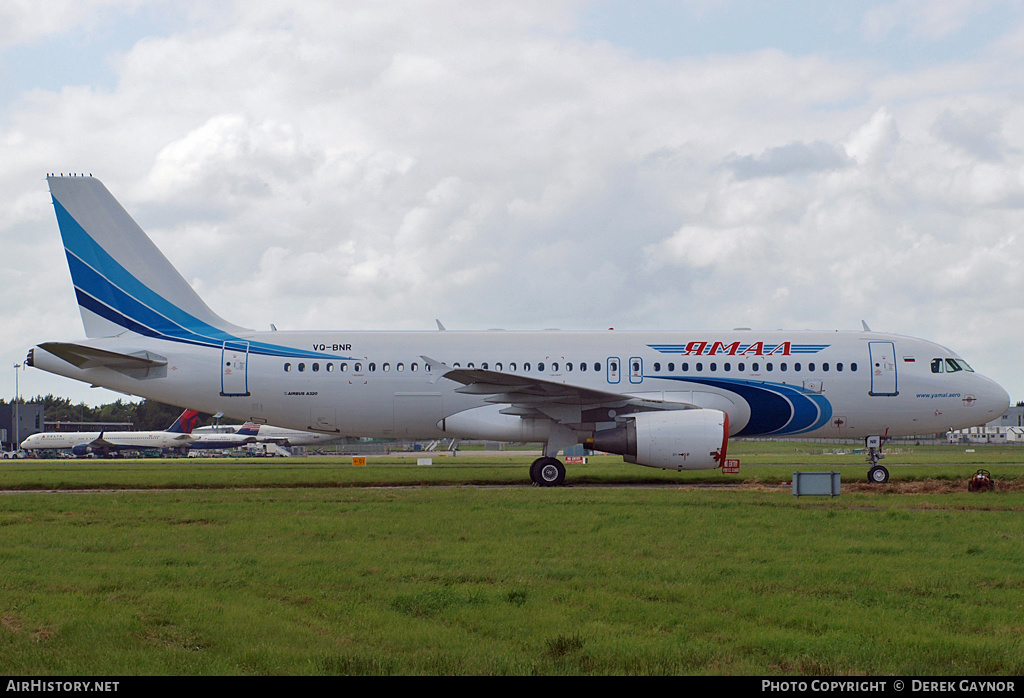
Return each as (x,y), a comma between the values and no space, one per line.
(992,399)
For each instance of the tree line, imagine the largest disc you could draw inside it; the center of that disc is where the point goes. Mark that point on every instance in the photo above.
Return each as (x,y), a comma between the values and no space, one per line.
(144,416)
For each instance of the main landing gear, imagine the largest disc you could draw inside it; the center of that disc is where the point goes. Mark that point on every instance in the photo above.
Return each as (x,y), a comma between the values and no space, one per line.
(878,473)
(547,472)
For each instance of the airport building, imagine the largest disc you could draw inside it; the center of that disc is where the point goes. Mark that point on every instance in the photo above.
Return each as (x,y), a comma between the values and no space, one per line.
(1008,429)
(19,421)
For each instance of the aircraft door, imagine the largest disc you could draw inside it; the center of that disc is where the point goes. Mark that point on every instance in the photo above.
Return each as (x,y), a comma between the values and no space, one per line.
(613,365)
(234,371)
(883,368)
(636,370)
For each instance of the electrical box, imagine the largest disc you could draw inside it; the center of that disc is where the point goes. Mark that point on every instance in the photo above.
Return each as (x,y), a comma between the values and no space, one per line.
(816,484)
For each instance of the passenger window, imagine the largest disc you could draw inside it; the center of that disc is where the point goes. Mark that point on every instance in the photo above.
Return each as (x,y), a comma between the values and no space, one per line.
(810,367)
(400,367)
(316,367)
(839,367)
(287,368)
(755,367)
(824,367)
(373,367)
(497,366)
(853,366)
(414,367)
(714,366)
(597,366)
(700,367)
(782,367)
(671,366)
(484,365)
(526,367)
(568,366)
(330,367)
(512,366)
(302,367)
(740,367)
(554,367)
(583,366)
(685,366)
(540,366)
(796,366)
(358,368)
(344,368)
(769,367)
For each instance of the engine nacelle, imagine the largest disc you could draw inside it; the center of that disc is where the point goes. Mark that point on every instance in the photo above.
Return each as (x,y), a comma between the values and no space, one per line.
(673,440)
(81,450)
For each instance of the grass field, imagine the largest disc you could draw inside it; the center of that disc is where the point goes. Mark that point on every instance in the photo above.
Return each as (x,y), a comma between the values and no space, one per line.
(316,567)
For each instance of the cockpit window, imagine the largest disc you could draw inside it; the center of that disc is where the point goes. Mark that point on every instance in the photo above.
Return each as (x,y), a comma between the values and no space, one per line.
(952,366)
(937,365)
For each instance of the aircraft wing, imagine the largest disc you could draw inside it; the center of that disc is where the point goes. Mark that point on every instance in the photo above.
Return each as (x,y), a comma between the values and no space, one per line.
(102,447)
(567,404)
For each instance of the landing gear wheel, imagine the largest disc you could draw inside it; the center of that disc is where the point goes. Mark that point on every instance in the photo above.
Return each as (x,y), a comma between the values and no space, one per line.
(878,475)
(547,472)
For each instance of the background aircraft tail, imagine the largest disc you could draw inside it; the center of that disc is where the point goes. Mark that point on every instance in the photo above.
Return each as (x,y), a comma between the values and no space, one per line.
(122,281)
(249,429)
(185,423)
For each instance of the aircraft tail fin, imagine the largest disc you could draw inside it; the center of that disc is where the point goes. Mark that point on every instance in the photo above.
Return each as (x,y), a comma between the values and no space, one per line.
(249,429)
(185,423)
(122,281)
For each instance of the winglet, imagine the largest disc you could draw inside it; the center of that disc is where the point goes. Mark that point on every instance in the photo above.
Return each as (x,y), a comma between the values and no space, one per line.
(436,368)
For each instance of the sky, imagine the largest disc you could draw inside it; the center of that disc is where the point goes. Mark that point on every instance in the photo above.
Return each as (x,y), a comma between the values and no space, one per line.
(697,164)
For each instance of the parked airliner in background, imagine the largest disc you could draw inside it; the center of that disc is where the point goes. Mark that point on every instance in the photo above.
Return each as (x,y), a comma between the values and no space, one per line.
(111,443)
(265,433)
(665,399)
(205,439)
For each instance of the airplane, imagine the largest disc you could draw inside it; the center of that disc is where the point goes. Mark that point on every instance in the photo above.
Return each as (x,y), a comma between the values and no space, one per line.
(205,440)
(269,434)
(111,443)
(664,399)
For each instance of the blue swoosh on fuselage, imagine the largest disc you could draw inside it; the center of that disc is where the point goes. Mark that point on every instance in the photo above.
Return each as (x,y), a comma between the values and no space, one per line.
(775,408)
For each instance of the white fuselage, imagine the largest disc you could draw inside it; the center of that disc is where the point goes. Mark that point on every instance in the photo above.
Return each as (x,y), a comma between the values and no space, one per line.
(267,434)
(805,383)
(122,440)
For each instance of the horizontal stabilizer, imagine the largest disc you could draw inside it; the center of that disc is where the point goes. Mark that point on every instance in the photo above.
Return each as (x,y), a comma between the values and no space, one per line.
(140,364)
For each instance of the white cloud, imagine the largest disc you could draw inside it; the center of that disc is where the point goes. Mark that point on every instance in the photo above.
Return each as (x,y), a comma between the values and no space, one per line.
(377,165)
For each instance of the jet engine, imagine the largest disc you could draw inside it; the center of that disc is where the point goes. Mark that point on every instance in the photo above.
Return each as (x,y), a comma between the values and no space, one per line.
(674,440)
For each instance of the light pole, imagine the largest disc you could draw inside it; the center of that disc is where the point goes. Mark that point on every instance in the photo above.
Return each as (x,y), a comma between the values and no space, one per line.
(17,397)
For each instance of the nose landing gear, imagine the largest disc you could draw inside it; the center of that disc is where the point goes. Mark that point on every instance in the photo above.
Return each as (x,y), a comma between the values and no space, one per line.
(878,474)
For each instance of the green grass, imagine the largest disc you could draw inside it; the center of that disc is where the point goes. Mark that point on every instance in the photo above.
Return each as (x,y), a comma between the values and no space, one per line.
(287,568)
